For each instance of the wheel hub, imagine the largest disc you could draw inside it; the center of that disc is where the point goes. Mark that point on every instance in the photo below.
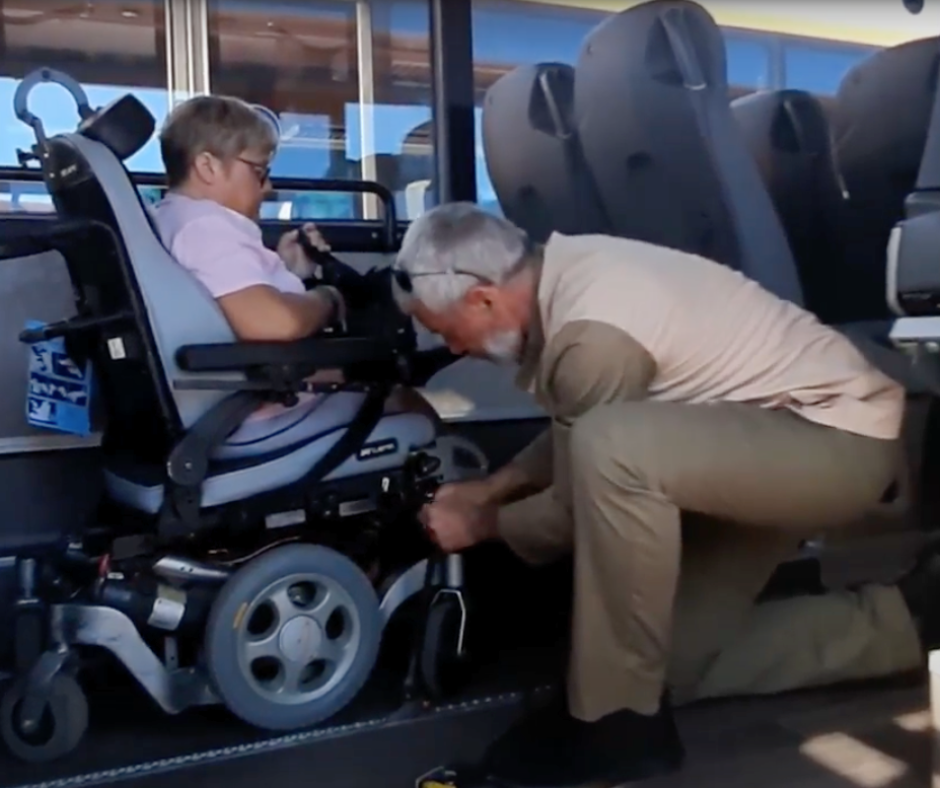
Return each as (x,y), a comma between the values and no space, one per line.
(300,639)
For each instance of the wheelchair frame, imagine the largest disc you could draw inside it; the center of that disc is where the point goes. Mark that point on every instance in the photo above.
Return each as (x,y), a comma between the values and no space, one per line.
(63,589)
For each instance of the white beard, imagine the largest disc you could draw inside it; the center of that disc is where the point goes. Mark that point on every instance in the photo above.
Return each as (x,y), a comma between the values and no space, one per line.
(504,348)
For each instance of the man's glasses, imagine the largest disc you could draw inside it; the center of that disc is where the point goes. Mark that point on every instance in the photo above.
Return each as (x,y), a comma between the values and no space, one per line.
(404,279)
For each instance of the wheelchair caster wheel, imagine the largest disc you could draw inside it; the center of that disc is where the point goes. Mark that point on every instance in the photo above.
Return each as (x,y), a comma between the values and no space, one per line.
(292,637)
(62,724)
(443,659)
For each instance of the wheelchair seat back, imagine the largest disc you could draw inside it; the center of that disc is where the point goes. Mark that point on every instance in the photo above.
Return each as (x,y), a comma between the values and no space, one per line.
(125,272)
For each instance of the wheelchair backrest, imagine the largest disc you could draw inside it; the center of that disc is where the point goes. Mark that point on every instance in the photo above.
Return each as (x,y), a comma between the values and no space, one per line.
(133,274)
(653,116)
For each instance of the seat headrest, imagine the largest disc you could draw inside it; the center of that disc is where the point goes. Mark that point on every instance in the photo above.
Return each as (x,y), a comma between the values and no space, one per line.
(883,110)
(124,126)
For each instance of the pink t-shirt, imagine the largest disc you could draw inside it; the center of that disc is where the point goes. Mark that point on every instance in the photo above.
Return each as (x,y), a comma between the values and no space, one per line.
(225,252)
(220,247)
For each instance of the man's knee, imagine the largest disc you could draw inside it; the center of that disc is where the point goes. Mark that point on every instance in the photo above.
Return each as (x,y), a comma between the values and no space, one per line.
(612,439)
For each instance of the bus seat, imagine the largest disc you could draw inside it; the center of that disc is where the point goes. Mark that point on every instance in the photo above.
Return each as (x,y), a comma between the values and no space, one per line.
(789,136)
(533,155)
(652,111)
(879,124)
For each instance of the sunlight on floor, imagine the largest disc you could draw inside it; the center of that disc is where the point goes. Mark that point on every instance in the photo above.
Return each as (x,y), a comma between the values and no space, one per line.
(915,722)
(854,760)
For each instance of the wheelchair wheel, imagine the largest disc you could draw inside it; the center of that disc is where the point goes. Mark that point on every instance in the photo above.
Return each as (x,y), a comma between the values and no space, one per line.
(61,727)
(292,637)
(443,662)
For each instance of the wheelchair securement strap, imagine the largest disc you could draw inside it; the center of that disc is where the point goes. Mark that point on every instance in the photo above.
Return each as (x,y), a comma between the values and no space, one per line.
(351,441)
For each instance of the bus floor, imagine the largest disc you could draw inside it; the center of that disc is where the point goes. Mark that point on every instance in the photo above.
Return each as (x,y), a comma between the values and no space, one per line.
(876,735)
(872,736)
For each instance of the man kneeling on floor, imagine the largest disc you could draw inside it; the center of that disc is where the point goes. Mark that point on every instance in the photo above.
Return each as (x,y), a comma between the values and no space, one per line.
(674,384)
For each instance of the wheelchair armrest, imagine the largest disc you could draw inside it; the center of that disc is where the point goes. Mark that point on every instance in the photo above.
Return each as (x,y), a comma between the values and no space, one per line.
(304,355)
(49,236)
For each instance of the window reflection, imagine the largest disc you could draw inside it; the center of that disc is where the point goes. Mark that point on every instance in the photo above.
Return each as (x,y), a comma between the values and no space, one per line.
(110,47)
(349,81)
(820,69)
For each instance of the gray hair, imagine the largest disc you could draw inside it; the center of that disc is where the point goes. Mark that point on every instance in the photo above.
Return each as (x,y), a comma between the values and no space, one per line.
(221,125)
(454,246)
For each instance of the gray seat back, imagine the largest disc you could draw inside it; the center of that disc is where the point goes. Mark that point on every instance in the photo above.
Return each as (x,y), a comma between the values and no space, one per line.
(788,134)
(533,155)
(145,304)
(653,116)
(879,125)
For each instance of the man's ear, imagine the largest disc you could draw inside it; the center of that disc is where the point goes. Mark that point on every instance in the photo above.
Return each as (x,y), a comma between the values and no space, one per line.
(481,296)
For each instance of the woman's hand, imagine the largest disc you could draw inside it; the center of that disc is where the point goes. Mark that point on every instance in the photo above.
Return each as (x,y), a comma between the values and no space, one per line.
(293,255)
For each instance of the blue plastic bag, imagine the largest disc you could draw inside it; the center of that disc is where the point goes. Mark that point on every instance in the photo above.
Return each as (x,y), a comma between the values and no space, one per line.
(59,391)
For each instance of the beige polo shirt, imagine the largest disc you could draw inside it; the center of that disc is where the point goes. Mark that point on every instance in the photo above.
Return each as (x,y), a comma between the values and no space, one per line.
(619,319)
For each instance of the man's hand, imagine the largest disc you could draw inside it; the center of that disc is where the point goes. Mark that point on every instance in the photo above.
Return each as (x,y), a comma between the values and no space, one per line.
(291,252)
(461,516)
(469,494)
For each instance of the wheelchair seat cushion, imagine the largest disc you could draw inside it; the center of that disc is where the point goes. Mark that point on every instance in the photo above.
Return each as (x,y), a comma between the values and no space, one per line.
(238,478)
(273,427)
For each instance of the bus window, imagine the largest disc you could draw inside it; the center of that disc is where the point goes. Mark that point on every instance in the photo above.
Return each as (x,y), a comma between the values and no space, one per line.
(110,48)
(349,83)
(769,45)
(820,69)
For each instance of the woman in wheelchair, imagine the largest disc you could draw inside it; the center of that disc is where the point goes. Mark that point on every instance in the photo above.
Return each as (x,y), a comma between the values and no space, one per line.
(217,152)
(312,526)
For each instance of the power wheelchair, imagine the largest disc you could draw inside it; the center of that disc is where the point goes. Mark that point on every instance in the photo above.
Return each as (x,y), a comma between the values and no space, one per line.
(252,566)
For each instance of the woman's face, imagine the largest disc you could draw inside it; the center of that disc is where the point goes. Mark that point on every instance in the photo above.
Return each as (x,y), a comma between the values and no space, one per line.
(248,181)
(239,184)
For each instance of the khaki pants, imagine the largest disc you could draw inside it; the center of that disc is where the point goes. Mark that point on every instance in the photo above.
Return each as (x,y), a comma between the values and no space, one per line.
(656,603)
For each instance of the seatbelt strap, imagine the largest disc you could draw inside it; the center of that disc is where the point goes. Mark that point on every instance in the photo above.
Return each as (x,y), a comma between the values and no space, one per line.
(351,441)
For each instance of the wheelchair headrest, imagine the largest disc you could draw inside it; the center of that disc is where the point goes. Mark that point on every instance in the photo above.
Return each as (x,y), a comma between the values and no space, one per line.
(124,126)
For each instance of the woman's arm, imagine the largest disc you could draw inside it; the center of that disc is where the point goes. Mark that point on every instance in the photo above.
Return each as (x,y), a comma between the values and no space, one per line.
(263,314)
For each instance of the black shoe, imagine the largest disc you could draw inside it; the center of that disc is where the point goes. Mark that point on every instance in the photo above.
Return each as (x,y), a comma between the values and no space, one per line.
(921,591)
(549,748)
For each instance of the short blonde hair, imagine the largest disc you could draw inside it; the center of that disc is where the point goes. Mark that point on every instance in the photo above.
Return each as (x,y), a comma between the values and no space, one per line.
(224,126)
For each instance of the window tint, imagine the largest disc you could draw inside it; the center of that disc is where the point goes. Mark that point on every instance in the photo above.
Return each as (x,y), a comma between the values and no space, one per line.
(110,48)
(350,83)
(820,69)
(749,61)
